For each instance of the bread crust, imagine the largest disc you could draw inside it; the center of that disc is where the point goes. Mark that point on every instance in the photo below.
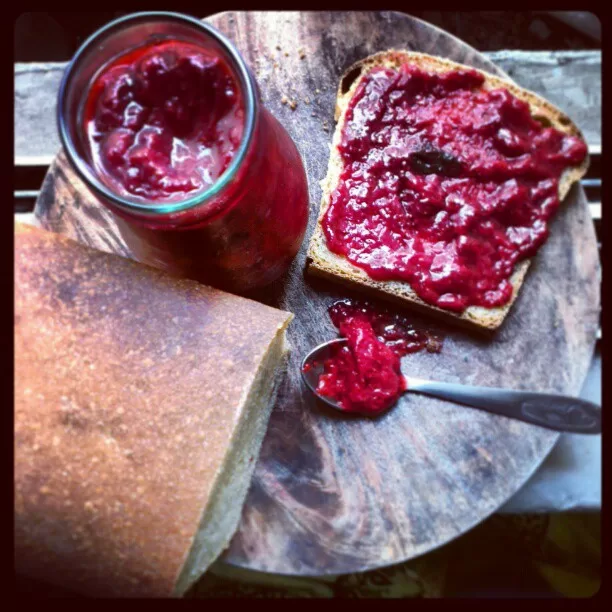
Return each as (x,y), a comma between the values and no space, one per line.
(141,401)
(323,263)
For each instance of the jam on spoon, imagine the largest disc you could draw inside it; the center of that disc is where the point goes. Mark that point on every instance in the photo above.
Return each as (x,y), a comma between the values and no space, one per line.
(363,375)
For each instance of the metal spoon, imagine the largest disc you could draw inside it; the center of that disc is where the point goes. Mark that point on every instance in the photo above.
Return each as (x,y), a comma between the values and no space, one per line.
(558,412)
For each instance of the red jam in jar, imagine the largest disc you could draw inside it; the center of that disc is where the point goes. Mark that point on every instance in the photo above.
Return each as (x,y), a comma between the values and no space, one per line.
(445,186)
(364,375)
(163,120)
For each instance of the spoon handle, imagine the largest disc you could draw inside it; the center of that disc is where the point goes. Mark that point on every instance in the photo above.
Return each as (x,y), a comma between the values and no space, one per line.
(558,412)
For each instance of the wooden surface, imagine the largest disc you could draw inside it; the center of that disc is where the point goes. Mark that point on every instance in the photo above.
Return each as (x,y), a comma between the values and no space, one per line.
(330,494)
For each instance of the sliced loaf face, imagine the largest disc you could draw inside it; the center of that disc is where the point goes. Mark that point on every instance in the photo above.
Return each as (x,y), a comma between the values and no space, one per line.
(141,401)
(324,263)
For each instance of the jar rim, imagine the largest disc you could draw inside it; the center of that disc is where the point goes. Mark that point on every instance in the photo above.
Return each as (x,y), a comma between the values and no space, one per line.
(84,170)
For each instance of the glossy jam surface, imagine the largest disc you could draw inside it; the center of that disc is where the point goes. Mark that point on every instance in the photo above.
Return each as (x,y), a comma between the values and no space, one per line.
(444,187)
(364,374)
(163,121)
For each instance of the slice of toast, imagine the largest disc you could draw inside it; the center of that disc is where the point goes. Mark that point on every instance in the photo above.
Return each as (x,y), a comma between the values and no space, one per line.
(322,262)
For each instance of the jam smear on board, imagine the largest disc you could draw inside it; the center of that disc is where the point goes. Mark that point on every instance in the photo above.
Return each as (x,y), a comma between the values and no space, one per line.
(163,121)
(445,186)
(364,374)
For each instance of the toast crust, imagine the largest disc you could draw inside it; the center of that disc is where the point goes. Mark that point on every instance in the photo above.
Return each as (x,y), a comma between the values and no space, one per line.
(323,263)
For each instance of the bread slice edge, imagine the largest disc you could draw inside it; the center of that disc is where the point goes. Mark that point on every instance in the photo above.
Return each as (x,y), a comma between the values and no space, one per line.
(221,517)
(322,262)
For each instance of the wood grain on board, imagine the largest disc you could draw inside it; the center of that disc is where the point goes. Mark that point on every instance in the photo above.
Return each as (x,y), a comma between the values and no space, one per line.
(333,494)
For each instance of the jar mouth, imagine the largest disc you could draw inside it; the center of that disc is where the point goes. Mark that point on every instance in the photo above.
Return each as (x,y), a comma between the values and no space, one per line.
(83,168)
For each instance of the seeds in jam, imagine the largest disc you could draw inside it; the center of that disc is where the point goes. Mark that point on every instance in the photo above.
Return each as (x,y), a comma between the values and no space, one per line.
(364,374)
(163,121)
(444,186)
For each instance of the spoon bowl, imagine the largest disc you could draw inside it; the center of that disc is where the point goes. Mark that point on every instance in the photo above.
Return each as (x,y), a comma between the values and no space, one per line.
(312,368)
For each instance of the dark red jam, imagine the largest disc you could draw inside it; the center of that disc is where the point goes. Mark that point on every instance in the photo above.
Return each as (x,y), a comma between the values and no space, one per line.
(364,374)
(444,187)
(164,121)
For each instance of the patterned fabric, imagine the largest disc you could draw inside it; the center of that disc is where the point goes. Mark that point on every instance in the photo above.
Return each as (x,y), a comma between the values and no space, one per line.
(508,555)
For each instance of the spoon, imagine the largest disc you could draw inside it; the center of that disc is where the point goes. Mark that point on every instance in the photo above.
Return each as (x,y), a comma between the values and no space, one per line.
(558,412)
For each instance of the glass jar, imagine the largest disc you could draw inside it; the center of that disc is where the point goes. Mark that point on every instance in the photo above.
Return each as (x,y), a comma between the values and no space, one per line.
(244,230)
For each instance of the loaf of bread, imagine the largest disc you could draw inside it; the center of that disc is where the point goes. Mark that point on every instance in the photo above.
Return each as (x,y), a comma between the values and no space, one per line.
(323,262)
(141,401)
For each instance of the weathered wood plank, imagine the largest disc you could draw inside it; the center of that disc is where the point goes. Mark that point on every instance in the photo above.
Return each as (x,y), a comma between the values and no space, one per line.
(569,79)
(36,87)
(332,495)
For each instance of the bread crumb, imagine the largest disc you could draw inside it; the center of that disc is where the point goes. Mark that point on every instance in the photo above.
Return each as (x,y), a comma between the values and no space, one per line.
(286,54)
(306,100)
(301,53)
(434,344)
(278,47)
(293,104)
(317,91)
(284,100)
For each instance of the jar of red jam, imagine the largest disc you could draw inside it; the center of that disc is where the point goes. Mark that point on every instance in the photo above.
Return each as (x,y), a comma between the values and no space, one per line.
(162,119)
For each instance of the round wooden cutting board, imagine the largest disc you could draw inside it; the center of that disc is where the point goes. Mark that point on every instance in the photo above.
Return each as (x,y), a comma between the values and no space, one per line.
(334,495)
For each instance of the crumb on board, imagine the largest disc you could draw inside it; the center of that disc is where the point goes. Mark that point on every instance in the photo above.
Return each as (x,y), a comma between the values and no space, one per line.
(306,100)
(288,101)
(317,91)
(325,125)
(313,114)
(286,54)
(278,47)
(301,53)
